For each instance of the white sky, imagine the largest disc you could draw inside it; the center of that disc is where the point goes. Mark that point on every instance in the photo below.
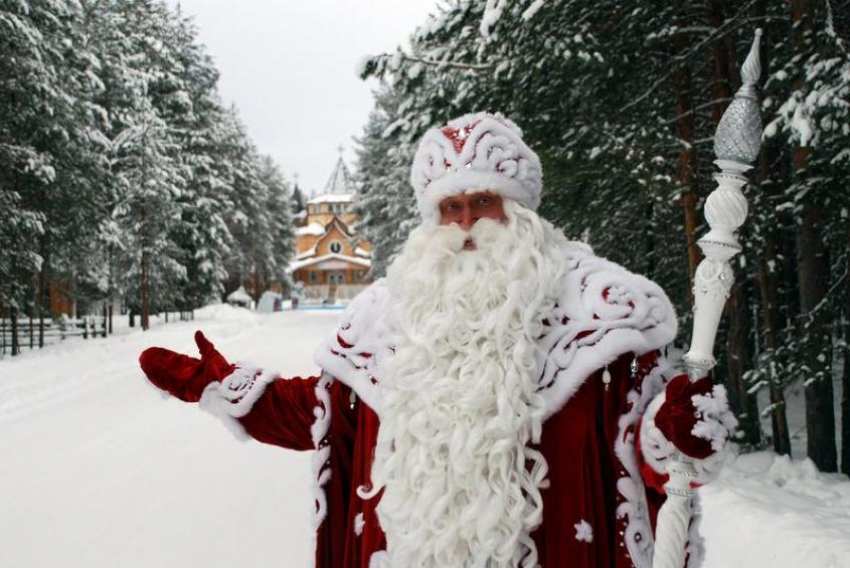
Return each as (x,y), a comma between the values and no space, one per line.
(290,68)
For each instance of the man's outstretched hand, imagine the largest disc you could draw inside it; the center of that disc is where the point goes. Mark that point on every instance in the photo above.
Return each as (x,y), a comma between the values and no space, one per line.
(183,376)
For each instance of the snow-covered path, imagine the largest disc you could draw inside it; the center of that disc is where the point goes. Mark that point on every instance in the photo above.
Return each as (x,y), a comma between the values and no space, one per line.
(98,471)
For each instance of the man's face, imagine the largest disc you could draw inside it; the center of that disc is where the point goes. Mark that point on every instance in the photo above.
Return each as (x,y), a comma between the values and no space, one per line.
(466,209)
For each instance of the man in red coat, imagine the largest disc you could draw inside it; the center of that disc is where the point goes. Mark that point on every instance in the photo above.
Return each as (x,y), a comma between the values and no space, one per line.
(500,399)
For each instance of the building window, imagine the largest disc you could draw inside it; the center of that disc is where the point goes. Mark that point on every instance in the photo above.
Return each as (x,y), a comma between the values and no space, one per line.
(314,276)
(335,247)
(336,278)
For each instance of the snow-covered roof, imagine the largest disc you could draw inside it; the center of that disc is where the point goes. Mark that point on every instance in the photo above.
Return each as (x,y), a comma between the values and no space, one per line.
(332,198)
(239,295)
(362,252)
(340,180)
(307,253)
(315,229)
(298,264)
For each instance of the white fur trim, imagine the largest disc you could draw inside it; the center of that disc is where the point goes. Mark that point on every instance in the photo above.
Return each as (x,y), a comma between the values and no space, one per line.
(234,396)
(212,402)
(243,387)
(584,532)
(469,181)
(379,559)
(353,352)
(716,422)
(321,472)
(635,317)
(657,450)
(359,523)
(492,156)
(638,535)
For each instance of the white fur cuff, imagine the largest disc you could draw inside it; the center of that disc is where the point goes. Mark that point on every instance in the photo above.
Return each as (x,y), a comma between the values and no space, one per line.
(654,446)
(657,450)
(235,396)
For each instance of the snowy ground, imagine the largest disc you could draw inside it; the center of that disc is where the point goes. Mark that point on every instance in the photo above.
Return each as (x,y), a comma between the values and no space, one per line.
(97,471)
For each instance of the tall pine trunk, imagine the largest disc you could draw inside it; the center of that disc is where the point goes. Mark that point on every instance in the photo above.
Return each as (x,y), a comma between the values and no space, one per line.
(144,284)
(812,274)
(816,353)
(845,379)
(768,282)
(739,361)
(768,292)
(682,86)
(144,290)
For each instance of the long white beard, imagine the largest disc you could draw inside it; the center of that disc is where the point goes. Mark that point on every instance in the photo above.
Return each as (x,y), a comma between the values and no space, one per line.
(460,407)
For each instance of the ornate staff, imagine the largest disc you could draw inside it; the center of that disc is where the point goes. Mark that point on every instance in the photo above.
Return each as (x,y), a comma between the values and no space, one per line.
(736,144)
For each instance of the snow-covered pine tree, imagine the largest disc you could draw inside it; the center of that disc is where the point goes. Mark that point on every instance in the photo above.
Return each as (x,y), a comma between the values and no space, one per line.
(45,144)
(202,234)
(252,258)
(385,201)
(110,110)
(621,101)
(280,228)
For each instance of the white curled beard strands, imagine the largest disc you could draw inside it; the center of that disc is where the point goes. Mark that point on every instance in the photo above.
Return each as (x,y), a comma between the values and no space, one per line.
(460,403)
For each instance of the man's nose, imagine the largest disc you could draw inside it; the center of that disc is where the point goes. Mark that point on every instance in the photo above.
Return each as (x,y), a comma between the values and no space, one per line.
(467,220)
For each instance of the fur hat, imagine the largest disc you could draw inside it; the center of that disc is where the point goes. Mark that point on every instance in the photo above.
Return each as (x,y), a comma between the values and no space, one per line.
(475,152)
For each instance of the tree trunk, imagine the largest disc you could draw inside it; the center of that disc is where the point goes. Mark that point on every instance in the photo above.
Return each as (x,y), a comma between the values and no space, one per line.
(144,290)
(767,277)
(812,274)
(111,295)
(768,292)
(845,379)
(816,353)
(16,346)
(722,72)
(687,158)
(43,299)
(739,361)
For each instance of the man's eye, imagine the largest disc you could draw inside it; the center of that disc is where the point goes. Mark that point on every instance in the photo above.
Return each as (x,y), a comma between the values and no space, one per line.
(485,201)
(452,206)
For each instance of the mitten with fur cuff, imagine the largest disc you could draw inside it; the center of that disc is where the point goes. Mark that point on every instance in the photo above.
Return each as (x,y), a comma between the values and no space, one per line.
(183,376)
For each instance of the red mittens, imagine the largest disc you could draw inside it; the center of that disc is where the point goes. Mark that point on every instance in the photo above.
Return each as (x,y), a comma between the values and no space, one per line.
(678,416)
(183,376)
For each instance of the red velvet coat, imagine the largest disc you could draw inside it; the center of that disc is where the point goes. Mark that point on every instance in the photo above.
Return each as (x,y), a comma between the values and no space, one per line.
(579,443)
(601,373)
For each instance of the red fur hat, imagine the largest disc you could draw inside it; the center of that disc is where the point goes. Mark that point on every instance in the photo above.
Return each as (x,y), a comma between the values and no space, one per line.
(475,152)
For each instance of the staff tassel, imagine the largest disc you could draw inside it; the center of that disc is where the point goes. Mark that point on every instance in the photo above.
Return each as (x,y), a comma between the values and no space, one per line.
(736,145)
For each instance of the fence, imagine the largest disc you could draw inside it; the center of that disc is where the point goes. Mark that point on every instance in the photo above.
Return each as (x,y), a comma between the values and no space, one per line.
(34,333)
